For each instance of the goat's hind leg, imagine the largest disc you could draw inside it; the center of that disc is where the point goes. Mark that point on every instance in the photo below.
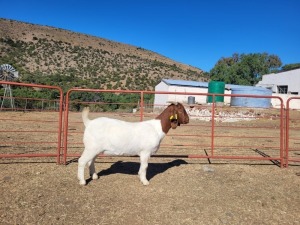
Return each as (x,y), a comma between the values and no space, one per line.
(93,173)
(81,165)
(85,158)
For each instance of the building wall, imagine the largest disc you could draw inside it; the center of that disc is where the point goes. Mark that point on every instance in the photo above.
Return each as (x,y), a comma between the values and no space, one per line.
(199,99)
(227,99)
(294,103)
(290,78)
(162,99)
(159,99)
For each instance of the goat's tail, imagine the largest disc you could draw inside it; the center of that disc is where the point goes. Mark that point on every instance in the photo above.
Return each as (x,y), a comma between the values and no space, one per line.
(85,118)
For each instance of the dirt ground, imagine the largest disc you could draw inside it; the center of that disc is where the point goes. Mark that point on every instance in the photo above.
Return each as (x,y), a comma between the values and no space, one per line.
(181,191)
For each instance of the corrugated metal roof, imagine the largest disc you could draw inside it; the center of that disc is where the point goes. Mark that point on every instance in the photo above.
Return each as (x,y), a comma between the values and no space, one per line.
(186,83)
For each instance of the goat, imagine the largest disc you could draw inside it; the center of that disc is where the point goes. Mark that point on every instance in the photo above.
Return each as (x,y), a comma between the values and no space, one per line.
(117,137)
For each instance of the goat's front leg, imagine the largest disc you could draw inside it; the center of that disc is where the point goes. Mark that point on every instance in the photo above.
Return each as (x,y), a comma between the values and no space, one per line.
(144,157)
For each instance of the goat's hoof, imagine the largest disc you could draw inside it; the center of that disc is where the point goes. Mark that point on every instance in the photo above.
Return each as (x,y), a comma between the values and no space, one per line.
(145,182)
(82,182)
(95,176)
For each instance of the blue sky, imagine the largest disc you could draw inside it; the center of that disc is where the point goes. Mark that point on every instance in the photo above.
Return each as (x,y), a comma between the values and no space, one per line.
(192,32)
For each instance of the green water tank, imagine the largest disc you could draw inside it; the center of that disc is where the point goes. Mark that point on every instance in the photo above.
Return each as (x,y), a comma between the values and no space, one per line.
(215,87)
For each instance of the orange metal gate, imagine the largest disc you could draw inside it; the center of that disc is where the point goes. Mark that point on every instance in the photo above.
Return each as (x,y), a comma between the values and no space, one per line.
(215,132)
(31,134)
(292,132)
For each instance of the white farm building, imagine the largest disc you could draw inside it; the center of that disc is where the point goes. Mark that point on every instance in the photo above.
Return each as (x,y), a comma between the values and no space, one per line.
(167,85)
(197,87)
(284,85)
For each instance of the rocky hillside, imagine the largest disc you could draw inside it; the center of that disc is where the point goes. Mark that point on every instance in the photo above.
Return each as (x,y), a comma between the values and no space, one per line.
(49,55)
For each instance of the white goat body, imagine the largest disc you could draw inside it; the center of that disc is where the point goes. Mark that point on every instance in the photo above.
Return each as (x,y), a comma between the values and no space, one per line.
(117,137)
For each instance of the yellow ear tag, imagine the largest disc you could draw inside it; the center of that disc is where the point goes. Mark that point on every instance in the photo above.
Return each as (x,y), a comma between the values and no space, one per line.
(172,117)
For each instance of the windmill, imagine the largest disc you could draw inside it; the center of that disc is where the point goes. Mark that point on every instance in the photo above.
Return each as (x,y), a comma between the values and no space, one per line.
(8,73)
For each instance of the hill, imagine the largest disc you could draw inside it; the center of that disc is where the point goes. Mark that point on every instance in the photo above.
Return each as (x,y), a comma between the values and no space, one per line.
(53,56)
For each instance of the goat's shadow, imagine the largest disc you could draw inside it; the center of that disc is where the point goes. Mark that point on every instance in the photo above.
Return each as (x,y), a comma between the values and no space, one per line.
(132,168)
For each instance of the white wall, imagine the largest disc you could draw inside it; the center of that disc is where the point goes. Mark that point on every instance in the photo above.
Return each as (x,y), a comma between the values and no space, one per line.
(294,103)
(290,78)
(227,99)
(199,99)
(161,99)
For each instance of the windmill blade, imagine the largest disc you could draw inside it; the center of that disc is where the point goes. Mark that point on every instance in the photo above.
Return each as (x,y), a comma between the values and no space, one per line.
(8,68)
(7,72)
(1,74)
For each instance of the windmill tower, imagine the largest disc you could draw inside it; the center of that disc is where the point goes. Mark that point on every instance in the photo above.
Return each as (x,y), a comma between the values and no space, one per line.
(8,73)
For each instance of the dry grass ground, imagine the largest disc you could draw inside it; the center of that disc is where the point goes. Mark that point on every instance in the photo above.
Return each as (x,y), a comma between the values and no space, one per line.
(181,191)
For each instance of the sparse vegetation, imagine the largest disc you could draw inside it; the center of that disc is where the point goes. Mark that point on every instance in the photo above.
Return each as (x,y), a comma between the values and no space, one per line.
(52,56)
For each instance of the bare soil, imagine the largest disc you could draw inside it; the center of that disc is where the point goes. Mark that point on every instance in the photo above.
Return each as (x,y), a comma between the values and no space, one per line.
(181,191)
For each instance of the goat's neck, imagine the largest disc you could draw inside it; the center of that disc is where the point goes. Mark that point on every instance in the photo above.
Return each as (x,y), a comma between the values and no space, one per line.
(165,122)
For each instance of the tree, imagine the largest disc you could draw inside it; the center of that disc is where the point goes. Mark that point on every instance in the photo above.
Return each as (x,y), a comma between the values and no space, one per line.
(245,69)
(293,66)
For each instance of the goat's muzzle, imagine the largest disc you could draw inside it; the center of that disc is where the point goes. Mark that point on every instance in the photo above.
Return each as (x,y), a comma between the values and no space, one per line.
(174,124)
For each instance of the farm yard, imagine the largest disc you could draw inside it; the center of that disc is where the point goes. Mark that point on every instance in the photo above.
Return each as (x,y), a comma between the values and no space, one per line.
(182,190)
(237,160)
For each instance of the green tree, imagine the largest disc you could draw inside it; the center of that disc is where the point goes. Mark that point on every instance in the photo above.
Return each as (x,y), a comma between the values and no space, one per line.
(288,67)
(245,69)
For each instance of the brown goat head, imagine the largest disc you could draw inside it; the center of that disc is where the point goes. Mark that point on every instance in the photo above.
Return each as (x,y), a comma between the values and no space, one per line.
(173,116)
(178,115)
